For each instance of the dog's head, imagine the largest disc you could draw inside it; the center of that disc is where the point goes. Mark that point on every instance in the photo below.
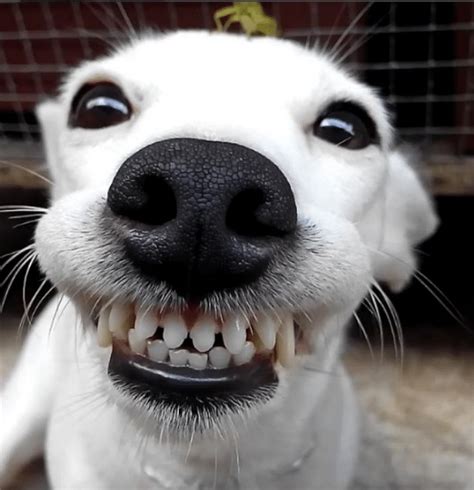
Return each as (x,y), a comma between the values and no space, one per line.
(225,203)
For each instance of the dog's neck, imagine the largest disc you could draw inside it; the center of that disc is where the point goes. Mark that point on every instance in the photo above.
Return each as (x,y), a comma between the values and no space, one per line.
(263,452)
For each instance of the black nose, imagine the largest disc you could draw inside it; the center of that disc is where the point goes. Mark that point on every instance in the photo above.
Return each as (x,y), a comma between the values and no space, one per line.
(202,215)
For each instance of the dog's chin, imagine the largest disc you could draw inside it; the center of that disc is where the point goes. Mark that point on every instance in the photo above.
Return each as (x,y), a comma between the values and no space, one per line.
(190,370)
(189,402)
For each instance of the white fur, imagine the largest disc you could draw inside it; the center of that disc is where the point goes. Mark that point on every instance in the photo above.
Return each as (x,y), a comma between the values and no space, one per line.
(367,205)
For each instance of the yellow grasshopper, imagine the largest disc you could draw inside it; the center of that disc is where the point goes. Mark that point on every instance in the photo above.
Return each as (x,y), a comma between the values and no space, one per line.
(250,16)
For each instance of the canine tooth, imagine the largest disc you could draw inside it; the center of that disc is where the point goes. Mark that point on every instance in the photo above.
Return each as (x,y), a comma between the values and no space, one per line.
(175,330)
(245,355)
(158,350)
(197,361)
(265,327)
(203,333)
(179,357)
(104,337)
(120,320)
(137,344)
(285,342)
(219,357)
(234,333)
(146,323)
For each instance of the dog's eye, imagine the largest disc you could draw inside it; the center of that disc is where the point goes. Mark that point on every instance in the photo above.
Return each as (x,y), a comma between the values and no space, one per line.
(98,106)
(346,125)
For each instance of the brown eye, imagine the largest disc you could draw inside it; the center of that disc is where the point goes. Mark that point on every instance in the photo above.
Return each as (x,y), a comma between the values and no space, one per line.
(346,125)
(98,106)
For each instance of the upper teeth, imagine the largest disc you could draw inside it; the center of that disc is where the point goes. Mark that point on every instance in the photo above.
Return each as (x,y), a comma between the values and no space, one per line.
(145,323)
(285,345)
(175,330)
(234,333)
(119,320)
(203,333)
(161,337)
(265,330)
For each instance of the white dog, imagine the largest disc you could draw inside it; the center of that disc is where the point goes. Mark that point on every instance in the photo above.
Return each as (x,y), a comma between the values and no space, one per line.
(221,206)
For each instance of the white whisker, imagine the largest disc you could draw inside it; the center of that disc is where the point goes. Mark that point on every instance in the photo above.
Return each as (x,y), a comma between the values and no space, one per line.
(378,317)
(27,170)
(12,275)
(335,51)
(131,29)
(366,336)
(27,317)
(430,286)
(14,254)
(393,322)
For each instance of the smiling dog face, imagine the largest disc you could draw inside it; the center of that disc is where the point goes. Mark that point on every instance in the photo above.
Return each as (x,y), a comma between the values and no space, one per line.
(221,206)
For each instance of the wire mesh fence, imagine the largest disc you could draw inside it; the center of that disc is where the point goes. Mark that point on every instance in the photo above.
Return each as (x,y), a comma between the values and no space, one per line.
(419,55)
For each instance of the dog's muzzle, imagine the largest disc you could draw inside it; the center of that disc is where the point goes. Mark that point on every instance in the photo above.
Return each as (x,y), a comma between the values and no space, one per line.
(202,216)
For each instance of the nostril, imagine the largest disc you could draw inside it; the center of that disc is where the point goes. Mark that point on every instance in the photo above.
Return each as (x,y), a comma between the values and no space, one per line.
(201,216)
(157,203)
(243,216)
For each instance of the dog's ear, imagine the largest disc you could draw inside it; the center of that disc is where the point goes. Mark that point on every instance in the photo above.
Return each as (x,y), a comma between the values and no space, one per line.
(402,217)
(49,116)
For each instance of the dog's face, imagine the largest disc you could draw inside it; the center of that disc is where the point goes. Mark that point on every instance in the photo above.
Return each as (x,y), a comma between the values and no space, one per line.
(218,208)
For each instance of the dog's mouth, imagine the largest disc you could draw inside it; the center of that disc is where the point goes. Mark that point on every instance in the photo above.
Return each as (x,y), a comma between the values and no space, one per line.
(192,357)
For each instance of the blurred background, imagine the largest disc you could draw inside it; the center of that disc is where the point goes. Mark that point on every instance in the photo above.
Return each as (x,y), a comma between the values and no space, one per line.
(420,57)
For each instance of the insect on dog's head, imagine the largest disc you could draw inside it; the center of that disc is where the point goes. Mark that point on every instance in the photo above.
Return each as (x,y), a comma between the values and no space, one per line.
(223,197)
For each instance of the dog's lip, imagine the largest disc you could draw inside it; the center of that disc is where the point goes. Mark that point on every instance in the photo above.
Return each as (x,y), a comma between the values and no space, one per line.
(164,380)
